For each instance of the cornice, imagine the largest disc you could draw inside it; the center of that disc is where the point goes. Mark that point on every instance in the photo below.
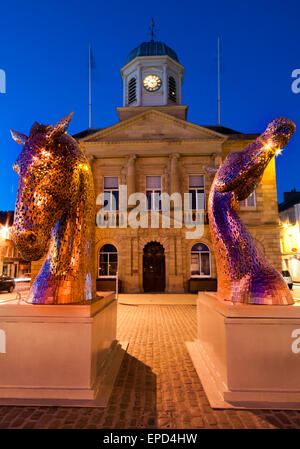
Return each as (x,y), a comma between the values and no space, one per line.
(152,142)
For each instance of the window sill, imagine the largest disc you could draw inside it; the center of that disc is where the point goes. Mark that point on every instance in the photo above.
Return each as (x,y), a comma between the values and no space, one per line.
(203,276)
(106,277)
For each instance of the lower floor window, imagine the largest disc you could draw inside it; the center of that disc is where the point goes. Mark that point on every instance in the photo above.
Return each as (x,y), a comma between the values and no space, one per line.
(108,261)
(200,260)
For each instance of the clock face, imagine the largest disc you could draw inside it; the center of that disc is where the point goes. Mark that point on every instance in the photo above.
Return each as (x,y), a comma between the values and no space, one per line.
(152,83)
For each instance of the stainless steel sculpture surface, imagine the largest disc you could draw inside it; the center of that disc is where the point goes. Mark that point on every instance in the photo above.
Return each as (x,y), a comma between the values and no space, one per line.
(244,274)
(55,214)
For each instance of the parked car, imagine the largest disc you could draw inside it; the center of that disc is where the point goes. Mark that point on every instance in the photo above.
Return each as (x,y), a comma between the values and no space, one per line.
(7,284)
(287,278)
(24,278)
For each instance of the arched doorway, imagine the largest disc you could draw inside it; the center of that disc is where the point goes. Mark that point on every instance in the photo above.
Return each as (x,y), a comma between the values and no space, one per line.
(154,277)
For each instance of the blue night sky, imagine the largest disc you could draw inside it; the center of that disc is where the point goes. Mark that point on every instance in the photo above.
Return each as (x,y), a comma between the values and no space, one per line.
(44,52)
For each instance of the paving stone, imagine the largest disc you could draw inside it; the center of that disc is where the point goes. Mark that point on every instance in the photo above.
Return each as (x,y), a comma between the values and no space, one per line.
(197,422)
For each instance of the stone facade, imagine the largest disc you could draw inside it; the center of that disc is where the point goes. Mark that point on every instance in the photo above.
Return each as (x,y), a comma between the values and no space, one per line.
(154,139)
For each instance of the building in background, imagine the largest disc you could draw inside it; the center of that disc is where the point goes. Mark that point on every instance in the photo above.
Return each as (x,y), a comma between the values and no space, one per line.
(11,263)
(155,149)
(289,213)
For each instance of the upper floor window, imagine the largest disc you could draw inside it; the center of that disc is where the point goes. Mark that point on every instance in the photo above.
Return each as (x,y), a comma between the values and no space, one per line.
(108,261)
(172,89)
(153,192)
(196,191)
(250,201)
(132,90)
(111,193)
(200,260)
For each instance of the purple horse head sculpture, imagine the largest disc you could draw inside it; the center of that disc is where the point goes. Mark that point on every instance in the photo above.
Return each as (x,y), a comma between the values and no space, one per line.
(244,274)
(54,214)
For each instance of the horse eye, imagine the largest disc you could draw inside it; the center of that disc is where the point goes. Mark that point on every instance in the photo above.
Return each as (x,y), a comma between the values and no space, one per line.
(283,130)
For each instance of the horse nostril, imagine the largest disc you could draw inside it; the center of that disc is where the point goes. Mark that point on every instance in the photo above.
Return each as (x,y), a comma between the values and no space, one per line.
(31,237)
(284,130)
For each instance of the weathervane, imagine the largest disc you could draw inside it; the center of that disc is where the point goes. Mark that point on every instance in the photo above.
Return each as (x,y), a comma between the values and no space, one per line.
(152,30)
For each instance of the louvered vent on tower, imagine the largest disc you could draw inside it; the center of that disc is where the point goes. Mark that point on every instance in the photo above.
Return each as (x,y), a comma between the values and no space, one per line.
(132,90)
(172,89)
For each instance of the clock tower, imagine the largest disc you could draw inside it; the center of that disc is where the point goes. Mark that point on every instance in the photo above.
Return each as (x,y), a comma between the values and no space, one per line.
(152,77)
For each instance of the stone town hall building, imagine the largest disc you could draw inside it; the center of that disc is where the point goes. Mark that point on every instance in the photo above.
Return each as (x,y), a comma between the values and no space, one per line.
(154,148)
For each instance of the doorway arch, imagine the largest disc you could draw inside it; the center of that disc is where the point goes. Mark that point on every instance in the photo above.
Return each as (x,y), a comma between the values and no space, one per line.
(154,268)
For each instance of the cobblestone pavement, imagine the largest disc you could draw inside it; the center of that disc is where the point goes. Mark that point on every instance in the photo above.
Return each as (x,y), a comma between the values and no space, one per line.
(157,386)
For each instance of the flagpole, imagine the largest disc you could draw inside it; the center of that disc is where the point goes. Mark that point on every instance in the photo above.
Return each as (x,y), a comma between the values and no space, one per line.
(90,87)
(219,83)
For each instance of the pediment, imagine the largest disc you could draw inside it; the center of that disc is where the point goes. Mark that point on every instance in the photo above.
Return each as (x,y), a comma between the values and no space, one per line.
(154,125)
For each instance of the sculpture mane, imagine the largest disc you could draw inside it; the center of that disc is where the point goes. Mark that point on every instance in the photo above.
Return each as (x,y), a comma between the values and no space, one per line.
(244,274)
(54,214)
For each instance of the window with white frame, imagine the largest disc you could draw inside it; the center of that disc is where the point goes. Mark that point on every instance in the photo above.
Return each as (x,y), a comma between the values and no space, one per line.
(250,201)
(196,191)
(153,192)
(111,193)
(200,260)
(108,261)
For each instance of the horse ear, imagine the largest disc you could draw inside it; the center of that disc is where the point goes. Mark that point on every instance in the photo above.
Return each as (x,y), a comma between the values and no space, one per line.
(60,127)
(21,139)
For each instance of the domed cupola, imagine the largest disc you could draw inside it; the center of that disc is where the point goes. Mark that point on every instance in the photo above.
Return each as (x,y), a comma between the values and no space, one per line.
(152,48)
(152,76)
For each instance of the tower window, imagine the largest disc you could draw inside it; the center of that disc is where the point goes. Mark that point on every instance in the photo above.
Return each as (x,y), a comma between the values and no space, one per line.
(172,89)
(132,90)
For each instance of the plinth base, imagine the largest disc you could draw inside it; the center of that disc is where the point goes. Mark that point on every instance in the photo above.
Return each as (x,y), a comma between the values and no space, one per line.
(248,356)
(64,355)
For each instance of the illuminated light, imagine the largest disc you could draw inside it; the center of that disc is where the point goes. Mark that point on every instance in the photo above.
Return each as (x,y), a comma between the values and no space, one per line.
(278,152)
(84,166)
(45,154)
(285,225)
(268,147)
(4,232)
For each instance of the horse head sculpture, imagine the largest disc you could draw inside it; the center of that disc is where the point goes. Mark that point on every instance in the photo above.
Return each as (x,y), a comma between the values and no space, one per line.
(54,214)
(244,274)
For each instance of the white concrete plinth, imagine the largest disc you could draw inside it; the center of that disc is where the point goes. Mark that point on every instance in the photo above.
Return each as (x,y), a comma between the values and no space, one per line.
(248,356)
(59,354)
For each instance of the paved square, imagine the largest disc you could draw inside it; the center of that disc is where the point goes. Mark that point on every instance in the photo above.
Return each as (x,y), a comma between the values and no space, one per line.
(157,386)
